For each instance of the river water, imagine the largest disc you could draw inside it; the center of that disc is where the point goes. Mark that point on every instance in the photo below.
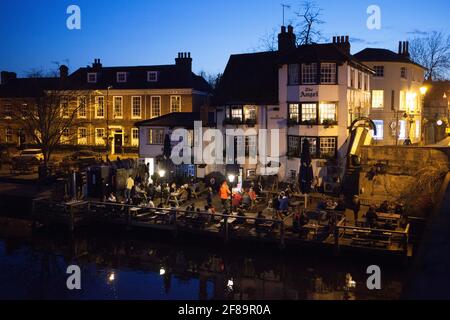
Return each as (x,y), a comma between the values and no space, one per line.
(126,266)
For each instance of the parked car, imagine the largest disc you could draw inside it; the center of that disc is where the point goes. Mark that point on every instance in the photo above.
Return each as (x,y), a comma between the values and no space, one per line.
(82,158)
(34,156)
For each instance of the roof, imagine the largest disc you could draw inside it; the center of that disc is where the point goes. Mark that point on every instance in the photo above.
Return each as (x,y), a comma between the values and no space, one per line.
(249,79)
(436,90)
(322,52)
(28,87)
(172,120)
(383,55)
(169,77)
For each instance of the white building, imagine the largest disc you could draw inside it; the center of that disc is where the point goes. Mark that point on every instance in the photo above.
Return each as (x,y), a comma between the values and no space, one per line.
(397,95)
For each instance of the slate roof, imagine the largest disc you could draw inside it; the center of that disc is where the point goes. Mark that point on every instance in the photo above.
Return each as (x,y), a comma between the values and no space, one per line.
(172,120)
(383,55)
(28,87)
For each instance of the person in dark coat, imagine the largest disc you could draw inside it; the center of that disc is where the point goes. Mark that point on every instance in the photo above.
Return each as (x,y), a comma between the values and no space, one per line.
(356,207)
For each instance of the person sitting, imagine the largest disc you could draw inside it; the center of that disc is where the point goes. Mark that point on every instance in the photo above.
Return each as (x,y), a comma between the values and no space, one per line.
(399,209)
(384,207)
(241,217)
(246,201)
(112,198)
(237,200)
(259,221)
(372,218)
(283,204)
(151,204)
(252,195)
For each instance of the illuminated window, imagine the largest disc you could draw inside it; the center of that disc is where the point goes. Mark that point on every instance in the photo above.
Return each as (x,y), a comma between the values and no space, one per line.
(64,108)
(9,135)
(118,107)
(92,77)
(312,145)
(8,111)
(100,136)
(380,130)
(236,114)
(156,107)
(65,136)
(82,107)
(418,129)
(377,99)
(379,71)
(175,104)
(402,101)
(328,73)
(136,109)
(309,73)
(156,136)
(135,137)
(294,74)
(250,112)
(328,147)
(152,76)
(309,113)
(402,129)
(82,136)
(99,107)
(294,112)
(327,113)
(121,77)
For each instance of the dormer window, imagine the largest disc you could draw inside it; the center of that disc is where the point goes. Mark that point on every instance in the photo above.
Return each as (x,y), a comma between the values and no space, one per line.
(152,76)
(92,77)
(121,77)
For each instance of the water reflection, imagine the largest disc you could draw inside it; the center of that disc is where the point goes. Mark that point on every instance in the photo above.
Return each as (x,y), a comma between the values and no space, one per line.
(126,267)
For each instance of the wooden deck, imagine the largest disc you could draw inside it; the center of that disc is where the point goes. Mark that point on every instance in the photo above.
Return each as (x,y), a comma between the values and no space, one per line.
(227,228)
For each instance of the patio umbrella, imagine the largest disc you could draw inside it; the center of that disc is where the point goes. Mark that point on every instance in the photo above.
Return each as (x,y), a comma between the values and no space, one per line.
(306,175)
(167,149)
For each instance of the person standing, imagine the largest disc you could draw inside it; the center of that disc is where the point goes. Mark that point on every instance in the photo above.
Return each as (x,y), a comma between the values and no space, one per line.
(225,194)
(129,187)
(209,197)
(356,207)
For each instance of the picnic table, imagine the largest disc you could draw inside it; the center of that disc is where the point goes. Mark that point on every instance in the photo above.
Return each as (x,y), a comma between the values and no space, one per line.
(388,216)
(175,197)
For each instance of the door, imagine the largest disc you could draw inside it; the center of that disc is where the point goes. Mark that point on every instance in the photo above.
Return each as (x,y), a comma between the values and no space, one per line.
(118,143)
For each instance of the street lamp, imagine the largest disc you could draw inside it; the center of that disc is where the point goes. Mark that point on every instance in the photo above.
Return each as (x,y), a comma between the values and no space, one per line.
(161,174)
(231,178)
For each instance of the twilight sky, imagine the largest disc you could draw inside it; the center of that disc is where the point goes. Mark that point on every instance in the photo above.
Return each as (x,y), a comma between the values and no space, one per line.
(33,34)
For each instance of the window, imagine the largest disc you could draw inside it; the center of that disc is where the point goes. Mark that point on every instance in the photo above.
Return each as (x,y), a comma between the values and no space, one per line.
(402,129)
(380,130)
(328,147)
(8,111)
(100,136)
(309,73)
(312,145)
(9,135)
(175,104)
(294,149)
(328,73)
(64,108)
(403,73)
(136,109)
(294,112)
(402,106)
(82,136)
(121,77)
(118,107)
(152,76)
(294,73)
(156,136)
(236,113)
(82,108)
(377,99)
(100,107)
(65,136)
(309,113)
(418,129)
(156,107)
(250,113)
(328,113)
(92,77)
(360,80)
(251,146)
(135,137)
(379,71)
(352,78)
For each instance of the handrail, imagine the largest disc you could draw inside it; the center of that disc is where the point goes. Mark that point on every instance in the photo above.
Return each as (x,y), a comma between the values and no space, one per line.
(370,229)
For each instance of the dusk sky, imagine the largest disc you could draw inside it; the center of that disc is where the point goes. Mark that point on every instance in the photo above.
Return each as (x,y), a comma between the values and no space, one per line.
(148,32)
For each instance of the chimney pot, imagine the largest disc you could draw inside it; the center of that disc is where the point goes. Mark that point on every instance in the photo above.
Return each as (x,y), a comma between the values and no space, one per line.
(347,39)
(290,29)
(283,29)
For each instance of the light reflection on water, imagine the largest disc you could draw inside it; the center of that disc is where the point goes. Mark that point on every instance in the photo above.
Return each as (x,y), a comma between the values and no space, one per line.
(125,267)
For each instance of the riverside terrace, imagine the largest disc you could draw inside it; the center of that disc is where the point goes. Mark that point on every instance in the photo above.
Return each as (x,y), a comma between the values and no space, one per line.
(327,228)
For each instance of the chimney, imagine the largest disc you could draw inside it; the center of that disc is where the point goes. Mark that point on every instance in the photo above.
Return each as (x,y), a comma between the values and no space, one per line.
(6,76)
(286,40)
(184,61)
(342,42)
(403,48)
(63,72)
(97,65)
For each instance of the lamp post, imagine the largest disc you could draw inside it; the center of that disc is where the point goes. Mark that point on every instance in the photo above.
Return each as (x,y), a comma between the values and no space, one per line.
(161,174)
(231,179)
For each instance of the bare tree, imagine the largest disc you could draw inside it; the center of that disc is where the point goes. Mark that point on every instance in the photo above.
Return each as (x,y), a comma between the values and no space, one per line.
(269,41)
(48,118)
(212,79)
(307,23)
(432,52)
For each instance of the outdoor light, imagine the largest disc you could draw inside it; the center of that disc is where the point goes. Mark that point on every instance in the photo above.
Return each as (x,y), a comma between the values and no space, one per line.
(445,96)
(111,277)
(231,178)
(439,123)
(230,284)
(162,173)
(423,90)
(162,271)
